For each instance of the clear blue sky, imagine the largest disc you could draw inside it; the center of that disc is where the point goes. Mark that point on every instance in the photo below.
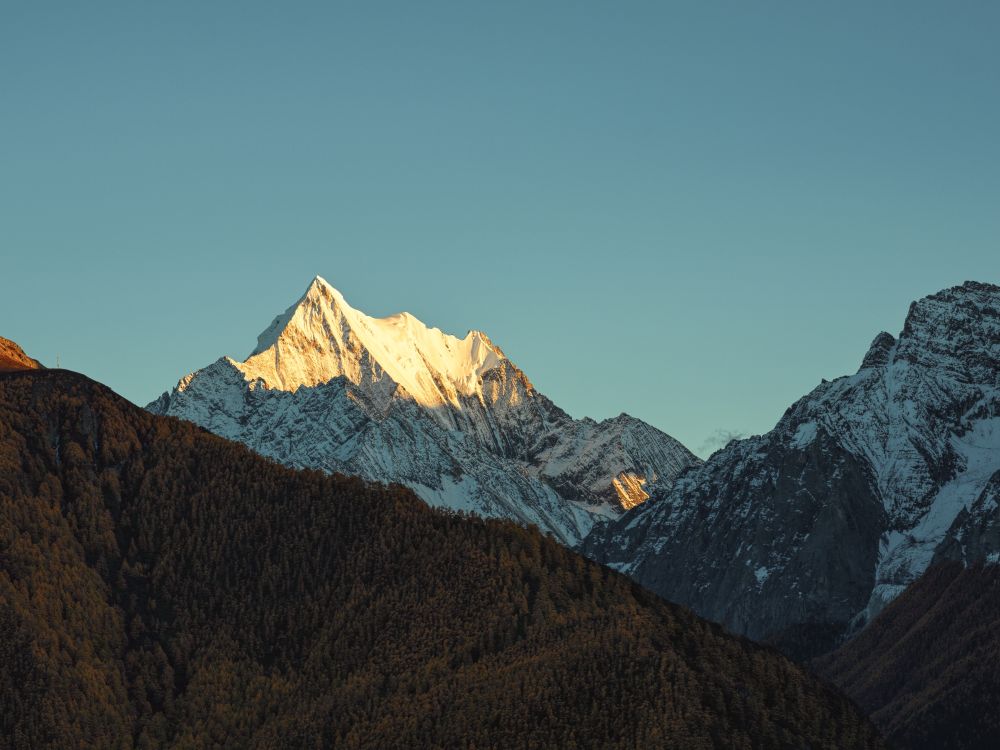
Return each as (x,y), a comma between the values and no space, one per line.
(691,212)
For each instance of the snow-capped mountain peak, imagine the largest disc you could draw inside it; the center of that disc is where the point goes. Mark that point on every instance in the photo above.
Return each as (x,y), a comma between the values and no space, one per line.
(804,533)
(321,337)
(394,400)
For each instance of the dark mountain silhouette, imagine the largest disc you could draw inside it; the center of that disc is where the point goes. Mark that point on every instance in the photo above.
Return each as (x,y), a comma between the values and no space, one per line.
(162,587)
(927,667)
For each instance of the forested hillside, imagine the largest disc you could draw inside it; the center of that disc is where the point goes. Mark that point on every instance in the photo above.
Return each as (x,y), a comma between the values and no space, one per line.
(928,667)
(162,587)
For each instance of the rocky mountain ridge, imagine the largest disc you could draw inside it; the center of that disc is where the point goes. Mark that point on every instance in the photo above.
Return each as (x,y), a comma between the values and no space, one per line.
(392,400)
(805,533)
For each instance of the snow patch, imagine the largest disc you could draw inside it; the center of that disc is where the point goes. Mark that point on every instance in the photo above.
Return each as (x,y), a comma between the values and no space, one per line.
(906,555)
(804,435)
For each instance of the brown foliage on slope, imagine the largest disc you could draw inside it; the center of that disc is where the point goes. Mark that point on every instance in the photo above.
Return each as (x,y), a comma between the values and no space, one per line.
(161,587)
(12,357)
(927,668)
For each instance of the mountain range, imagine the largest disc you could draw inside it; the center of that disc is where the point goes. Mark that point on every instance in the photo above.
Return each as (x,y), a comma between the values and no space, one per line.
(857,535)
(797,537)
(801,536)
(392,400)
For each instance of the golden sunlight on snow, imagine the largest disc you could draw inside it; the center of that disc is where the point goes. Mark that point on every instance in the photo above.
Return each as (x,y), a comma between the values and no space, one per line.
(630,490)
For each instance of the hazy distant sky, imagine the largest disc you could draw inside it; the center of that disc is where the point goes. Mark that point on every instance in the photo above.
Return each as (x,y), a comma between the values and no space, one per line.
(691,212)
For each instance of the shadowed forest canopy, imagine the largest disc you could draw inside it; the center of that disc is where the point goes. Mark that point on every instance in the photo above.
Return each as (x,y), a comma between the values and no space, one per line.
(161,587)
(928,667)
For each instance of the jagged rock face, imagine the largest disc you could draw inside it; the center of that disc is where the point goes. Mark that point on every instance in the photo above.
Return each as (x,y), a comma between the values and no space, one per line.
(391,400)
(806,532)
(763,543)
(974,537)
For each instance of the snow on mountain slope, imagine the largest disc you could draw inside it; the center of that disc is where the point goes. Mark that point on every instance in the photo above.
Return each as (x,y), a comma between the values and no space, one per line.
(321,337)
(808,531)
(392,400)
(974,536)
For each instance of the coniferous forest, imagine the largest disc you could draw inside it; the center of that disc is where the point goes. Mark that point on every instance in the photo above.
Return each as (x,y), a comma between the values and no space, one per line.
(927,669)
(161,587)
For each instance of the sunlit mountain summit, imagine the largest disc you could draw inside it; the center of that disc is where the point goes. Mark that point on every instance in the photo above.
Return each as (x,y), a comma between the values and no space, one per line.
(394,400)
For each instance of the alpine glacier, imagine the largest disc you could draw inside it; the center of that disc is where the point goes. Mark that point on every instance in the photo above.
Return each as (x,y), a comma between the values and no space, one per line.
(392,400)
(802,535)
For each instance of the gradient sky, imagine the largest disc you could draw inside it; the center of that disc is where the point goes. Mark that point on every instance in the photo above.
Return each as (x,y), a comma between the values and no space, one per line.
(691,212)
